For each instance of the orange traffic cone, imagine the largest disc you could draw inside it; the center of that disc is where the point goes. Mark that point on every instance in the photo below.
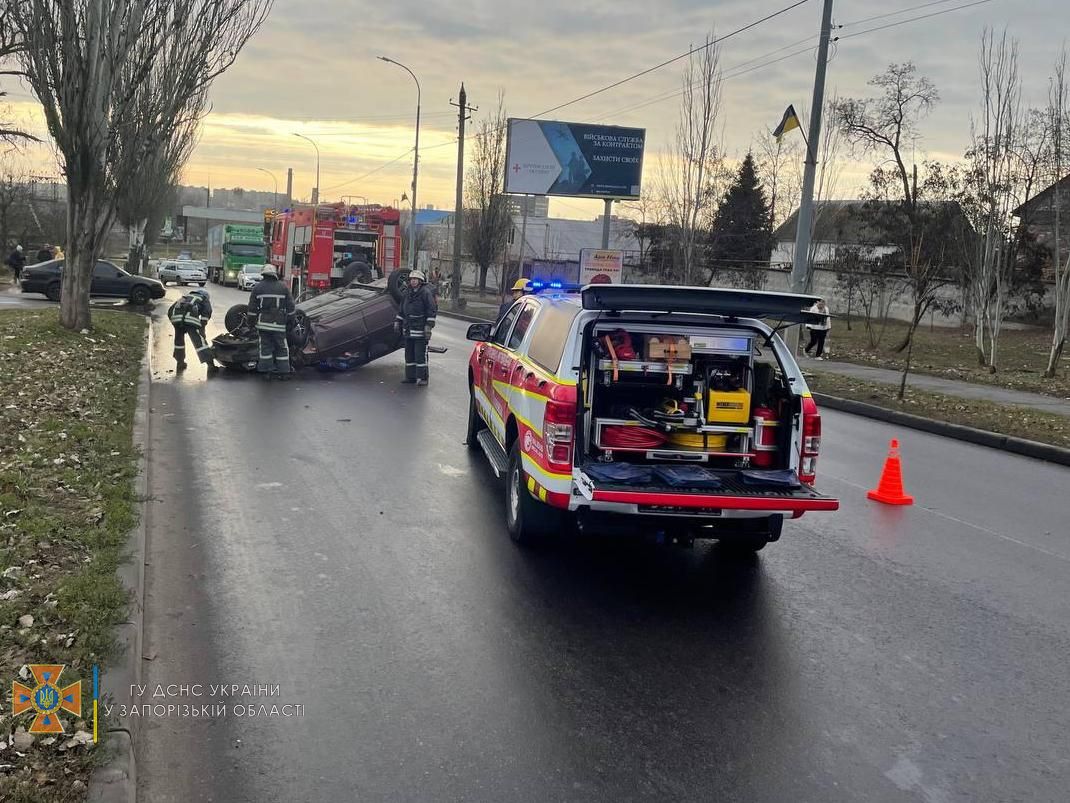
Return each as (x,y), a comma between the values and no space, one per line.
(890,488)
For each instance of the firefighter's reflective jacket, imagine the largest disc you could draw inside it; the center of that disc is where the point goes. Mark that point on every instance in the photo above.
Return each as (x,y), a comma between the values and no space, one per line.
(272,304)
(191,310)
(418,311)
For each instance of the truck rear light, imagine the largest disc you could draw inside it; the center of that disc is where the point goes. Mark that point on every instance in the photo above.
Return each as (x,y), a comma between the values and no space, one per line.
(558,432)
(811,441)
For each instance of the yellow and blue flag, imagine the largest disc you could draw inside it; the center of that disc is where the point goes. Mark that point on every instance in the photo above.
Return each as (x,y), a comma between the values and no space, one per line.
(790,121)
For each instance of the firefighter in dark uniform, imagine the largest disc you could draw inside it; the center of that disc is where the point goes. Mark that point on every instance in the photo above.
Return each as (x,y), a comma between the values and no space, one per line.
(415,320)
(272,305)
(189,315)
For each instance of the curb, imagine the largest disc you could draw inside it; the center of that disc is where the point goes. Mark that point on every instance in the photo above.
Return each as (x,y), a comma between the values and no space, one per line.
(980,437)
(116,781)
(462,317)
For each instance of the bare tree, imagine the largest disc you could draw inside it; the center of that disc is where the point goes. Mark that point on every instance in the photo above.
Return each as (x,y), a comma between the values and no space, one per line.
(686,173)
(1058,124)
(110,76)
(151,188)
(779,165)
(884,125)
(10,46)
(997,162)
(16,217)
(486,229)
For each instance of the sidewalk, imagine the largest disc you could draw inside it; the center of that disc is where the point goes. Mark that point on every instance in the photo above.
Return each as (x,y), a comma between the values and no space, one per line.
(948,387)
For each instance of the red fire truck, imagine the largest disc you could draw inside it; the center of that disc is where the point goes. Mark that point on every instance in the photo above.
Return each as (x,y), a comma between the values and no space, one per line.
(311,245)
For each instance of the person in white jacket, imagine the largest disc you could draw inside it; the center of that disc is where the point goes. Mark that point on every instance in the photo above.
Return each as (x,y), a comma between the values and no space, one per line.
(819,331)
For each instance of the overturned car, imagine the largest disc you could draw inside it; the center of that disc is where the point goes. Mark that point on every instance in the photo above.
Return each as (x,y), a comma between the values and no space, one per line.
(341,328)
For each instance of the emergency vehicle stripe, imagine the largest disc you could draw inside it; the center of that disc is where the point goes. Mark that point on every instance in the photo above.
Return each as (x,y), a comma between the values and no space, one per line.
(495,415)
(531,466)
(538,369)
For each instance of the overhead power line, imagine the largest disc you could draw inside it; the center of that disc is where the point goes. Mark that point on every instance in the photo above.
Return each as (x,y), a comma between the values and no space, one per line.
(674,59)
(915,19)
(895,13)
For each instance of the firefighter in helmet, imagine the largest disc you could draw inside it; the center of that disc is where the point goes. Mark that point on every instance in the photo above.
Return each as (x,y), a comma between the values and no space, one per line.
(189,315)
(272,305)
(416,319)
(521,287)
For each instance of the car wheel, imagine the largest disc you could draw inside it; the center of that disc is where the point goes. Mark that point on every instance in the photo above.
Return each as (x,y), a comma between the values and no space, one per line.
(54,291)
(397,282)
(201,284)
(140,296)
(475,422)
(237,318)
(300,331)
(529,521)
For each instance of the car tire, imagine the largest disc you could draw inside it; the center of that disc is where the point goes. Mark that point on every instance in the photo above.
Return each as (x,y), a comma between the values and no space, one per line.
(475,422)
(299,331)
(237,318)
(201,284)
(54,291)
(396,282)
(140,296)
(528,520)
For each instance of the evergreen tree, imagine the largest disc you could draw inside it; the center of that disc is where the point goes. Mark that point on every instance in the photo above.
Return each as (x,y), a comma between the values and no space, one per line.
(741,237)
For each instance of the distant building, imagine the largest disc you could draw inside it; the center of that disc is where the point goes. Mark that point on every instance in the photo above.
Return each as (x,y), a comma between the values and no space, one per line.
(837,225)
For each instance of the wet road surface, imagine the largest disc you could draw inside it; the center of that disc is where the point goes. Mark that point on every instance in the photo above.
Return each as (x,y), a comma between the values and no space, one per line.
(335,537)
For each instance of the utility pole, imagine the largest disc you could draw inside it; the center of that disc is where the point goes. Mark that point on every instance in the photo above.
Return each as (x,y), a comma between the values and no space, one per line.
(289,187)
(801,265)
(605,223)
(463,111)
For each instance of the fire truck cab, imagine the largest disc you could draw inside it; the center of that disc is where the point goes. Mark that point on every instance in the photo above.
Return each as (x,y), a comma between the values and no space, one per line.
(310,245)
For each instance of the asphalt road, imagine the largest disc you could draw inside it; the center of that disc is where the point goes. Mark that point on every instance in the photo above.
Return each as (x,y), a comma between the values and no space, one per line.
(333,536)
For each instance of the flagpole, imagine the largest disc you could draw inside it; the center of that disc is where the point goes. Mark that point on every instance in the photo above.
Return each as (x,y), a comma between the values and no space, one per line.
(801,262)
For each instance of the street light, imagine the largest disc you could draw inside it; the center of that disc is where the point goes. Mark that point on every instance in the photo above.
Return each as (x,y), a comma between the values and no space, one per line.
(415,159)
(316,189)
(275,200)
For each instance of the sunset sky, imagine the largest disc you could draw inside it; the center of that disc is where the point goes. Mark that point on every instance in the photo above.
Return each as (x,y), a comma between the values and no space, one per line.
(312,69)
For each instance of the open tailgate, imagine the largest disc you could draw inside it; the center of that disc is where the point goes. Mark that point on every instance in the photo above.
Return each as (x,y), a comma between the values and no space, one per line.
(733,494)
(787,307)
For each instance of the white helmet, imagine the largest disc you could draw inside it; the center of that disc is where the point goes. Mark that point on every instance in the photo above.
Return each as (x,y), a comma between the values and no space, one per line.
(418,274)
(18,248)
(270,270)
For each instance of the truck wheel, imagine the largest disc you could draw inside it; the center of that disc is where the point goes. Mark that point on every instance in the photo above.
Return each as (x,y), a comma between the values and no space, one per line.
(300,331)
(54,291)
(529,520)
(475,422)
(237,318)
(396,282)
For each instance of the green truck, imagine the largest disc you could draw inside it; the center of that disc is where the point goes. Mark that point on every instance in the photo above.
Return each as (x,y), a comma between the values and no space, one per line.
(232,245)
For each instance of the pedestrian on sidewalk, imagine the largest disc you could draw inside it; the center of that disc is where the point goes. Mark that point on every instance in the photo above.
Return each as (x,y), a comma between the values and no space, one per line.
(819,331)
(271,303)
(415,320)
(189,316)
(16,261)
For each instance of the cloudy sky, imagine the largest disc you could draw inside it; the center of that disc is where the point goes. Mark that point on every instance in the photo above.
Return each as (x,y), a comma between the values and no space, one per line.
(312,69)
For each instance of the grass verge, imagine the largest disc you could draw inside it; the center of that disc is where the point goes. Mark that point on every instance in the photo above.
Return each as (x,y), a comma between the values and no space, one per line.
(1020,422)
(950,353)
(67,503)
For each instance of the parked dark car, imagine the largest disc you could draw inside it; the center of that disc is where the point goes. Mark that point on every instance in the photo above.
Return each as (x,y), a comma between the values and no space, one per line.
(354,324)
(109,281)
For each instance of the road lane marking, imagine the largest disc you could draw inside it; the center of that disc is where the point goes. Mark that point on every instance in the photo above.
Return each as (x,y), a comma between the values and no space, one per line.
(949,517)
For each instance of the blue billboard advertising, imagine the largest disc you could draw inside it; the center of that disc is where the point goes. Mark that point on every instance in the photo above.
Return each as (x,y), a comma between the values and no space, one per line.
(545,157)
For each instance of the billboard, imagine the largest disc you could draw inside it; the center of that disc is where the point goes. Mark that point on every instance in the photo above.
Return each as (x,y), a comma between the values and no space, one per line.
(576,160)
(601,266)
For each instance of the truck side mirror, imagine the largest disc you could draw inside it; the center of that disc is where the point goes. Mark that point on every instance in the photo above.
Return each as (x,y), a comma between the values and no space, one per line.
(480,332)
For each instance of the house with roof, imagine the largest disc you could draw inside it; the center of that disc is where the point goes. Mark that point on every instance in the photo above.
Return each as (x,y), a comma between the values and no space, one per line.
(1038,214)
(838,225)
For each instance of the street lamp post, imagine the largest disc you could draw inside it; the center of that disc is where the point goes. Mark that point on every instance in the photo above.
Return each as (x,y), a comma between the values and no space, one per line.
(316,189)
(415,161)
(275,199)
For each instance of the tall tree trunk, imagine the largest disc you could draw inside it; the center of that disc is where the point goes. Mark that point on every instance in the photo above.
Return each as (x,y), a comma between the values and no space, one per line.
(88,216)
(1062,319)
